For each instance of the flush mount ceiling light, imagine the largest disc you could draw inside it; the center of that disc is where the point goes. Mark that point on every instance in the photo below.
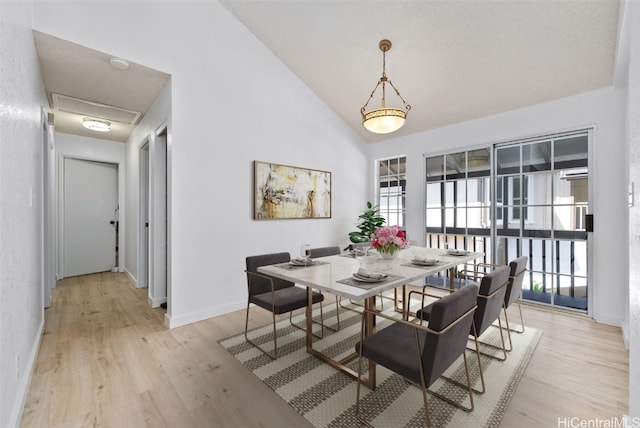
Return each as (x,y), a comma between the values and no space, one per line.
(384,119)
(119,63)
(96,124)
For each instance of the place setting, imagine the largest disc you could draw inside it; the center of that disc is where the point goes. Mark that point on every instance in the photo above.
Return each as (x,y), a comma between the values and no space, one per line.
(365,278)
(422,261)
(303,261)
(456,252)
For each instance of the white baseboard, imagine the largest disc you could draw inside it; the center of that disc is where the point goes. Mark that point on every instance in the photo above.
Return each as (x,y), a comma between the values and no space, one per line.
(155,302)
(23,386)
(180,320)
(625,334)
(131,277)
(608,320)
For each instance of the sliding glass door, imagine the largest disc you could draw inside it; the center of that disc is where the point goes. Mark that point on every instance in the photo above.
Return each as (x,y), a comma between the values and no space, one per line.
(541,205)
(520,198)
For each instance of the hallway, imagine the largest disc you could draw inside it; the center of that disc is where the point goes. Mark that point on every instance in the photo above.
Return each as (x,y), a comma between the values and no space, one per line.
(107,360)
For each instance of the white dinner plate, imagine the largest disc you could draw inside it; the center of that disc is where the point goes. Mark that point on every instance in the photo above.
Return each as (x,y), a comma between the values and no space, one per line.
(457,252)
(430,262)
(367,279)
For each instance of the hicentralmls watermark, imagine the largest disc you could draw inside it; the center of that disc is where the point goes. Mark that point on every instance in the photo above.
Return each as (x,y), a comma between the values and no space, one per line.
(615,422)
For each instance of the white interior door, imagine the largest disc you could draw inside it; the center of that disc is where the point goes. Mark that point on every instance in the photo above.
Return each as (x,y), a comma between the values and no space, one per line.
(143,226)
(90,204)
(158,221)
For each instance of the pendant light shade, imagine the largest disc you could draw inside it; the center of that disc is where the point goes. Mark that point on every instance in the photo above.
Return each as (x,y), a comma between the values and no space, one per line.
(385,119)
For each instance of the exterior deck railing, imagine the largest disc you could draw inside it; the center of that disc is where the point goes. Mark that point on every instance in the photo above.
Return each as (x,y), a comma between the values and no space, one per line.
(556,270)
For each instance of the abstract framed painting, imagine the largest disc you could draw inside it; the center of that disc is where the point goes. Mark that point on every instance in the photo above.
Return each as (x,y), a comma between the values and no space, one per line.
(289,192)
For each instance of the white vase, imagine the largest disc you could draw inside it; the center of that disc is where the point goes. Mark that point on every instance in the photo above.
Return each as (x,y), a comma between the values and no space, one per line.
(389,256)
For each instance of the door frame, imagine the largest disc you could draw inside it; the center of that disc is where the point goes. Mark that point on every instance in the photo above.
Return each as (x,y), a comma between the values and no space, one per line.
(48,198)
(143,215)
(121,207)
(154,202)
(590,242)
(158,217)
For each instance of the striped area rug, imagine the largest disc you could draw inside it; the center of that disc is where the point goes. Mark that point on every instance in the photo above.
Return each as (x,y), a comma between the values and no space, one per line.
(326,397)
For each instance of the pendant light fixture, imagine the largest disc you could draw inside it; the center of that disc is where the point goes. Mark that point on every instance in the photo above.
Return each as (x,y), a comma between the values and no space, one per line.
(385,119)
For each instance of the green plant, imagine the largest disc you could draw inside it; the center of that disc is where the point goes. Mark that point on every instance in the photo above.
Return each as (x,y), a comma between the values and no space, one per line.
(370,220)
(537,287)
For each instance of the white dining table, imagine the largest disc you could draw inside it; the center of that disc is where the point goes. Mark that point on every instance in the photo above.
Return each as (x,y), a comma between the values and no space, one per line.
(334,274)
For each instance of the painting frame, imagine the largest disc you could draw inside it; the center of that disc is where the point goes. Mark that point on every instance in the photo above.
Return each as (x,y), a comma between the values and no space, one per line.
(286,192)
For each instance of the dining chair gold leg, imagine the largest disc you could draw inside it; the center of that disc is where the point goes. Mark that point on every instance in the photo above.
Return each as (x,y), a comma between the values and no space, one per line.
(320,335)
(356,304)
(475,339)
(509,329)
(423,386)
(274,354)
(460,384)
(337,327)
(521,320)
(502,348)
(477,352)
(506,320)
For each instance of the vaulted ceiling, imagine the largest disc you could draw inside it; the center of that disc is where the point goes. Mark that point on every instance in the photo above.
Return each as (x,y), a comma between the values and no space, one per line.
(452,61)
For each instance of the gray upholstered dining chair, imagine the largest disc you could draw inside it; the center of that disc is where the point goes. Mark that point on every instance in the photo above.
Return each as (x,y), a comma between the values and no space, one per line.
(493,288)
(421,354)
(319,252)
(274,295)
(517,269)
(490,300)
(514,291)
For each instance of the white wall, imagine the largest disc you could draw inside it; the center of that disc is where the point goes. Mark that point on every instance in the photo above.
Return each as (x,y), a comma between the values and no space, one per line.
(633,134)
(603,109)
(156,119)
(231,103)
(21,164)
(158,115)
(86,148)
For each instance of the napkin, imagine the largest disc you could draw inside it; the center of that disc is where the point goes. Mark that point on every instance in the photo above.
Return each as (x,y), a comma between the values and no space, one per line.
(423,259)
(369,274)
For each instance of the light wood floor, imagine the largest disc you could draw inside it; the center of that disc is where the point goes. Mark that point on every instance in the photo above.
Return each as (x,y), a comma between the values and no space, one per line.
(106,360)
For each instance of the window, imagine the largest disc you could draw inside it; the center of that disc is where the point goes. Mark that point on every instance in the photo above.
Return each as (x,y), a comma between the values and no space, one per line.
(519,198)
(392,180)
(458,193)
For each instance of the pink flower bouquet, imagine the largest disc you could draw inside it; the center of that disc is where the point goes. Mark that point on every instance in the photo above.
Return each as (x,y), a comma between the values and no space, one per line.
(389,239)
